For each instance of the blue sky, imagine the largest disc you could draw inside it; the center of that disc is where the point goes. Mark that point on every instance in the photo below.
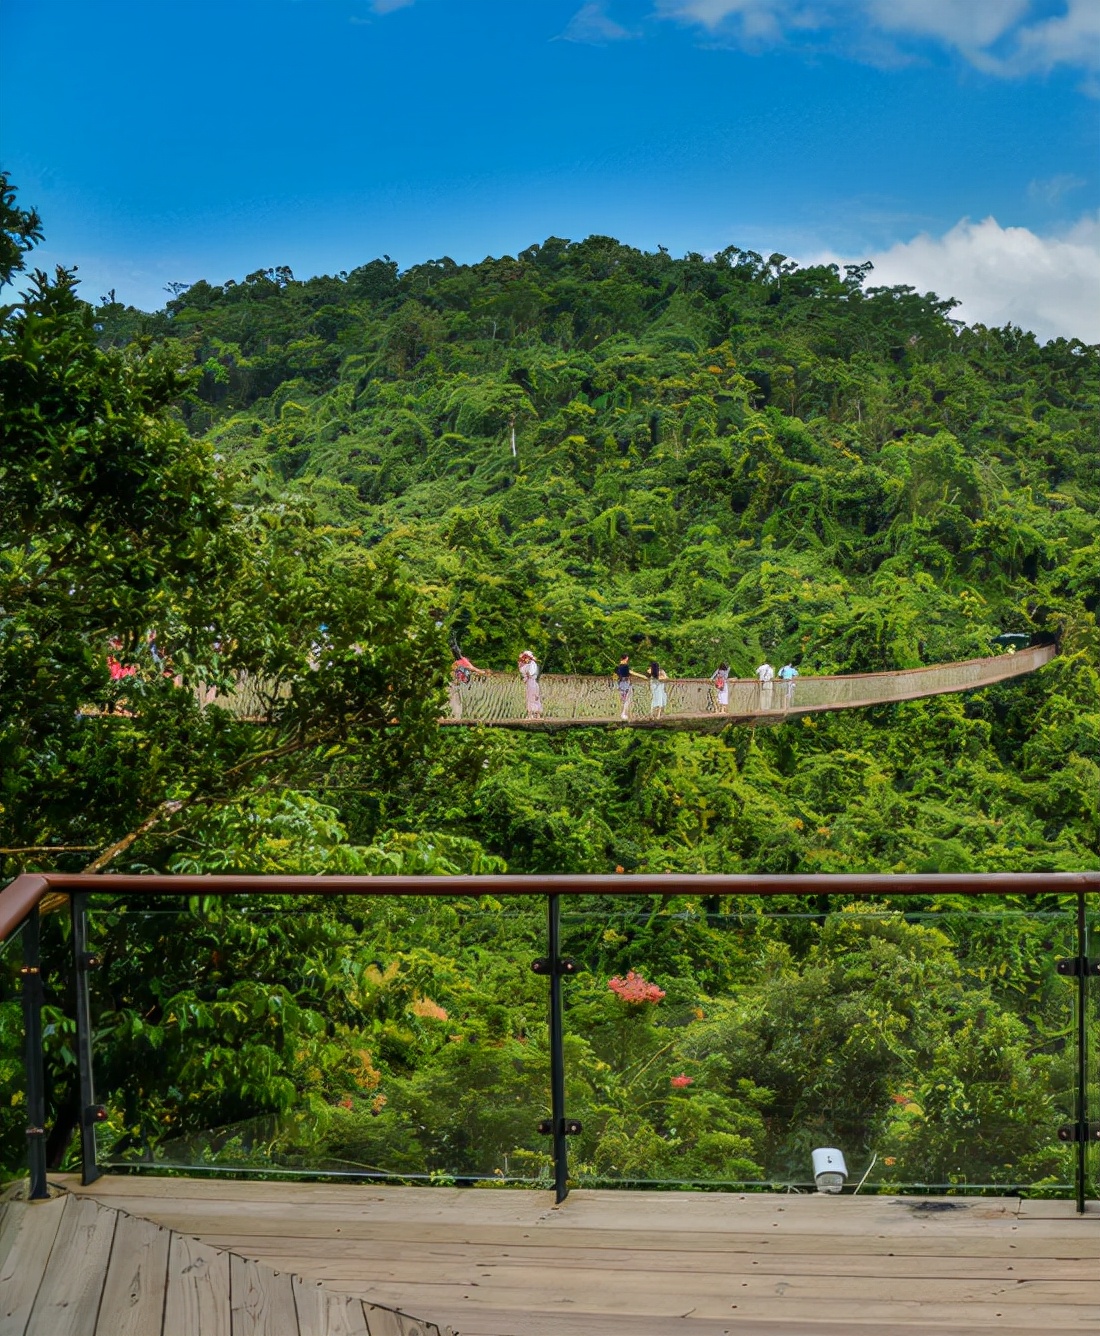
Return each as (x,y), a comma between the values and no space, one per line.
(182,139)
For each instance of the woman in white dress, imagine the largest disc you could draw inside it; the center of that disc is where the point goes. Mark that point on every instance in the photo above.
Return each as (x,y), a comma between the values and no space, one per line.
(721,680)
(658,692)
(529,672)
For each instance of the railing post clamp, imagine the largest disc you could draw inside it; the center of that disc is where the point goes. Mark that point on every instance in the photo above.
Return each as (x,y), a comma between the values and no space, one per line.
(1079,1132)
(570,1127)
(1076,967)
(560,965)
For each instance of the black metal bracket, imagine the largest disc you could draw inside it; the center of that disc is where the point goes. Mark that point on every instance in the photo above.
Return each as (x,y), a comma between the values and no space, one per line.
(88,960)
(33,987)
(1076,967)
(565,965)
(570,1127)
(94,1113)
(1079,1132)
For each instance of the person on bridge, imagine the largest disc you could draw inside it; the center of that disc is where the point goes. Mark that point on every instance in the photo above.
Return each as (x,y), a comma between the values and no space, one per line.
(623,674)
(765,675)
(658,692)
(721,680)
(787,674)
(529,672)
(461,672)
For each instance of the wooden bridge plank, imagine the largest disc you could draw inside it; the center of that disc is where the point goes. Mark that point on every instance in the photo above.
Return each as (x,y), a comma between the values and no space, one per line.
(137,1275)
(261,1300)
(323,1313)
(30,1229)
(68,1298)
(197,1293)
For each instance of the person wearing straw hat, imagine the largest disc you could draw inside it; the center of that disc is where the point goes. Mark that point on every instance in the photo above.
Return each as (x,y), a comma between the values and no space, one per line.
(529,672)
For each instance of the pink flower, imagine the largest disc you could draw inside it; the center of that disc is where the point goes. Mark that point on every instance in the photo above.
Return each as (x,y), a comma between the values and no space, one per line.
(681,1081)
(635,989)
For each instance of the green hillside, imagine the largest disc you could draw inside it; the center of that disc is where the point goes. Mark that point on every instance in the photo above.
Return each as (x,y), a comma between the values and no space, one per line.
(725,458)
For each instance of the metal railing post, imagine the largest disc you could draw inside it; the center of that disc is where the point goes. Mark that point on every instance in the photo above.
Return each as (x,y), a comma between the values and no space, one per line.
(557,1053)
(33,996)
(90,1112)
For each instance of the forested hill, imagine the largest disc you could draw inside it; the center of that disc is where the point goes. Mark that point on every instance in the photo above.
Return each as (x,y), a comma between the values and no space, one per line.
(588,450)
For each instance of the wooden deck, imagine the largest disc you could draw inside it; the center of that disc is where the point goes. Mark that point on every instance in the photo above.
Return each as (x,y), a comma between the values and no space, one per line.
(284,1259)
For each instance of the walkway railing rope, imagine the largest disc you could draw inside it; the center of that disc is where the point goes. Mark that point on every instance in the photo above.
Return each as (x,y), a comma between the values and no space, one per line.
(19,908)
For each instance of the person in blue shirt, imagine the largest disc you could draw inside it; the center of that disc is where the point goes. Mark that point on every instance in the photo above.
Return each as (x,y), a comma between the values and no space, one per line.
(787,674)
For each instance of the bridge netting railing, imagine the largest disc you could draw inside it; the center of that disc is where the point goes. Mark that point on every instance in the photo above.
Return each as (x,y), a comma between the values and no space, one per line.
(501,697)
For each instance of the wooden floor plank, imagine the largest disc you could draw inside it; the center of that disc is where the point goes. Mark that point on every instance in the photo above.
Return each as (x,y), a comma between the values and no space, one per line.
(1071,1290)
(572,1324)
(323,1313)
(899,1221)
(197,1293)
(31,1228)
(133,1293)
(228,1224)
(11,1212)
(855,1310)
(262,1300)
(68,1298)
(332,1256)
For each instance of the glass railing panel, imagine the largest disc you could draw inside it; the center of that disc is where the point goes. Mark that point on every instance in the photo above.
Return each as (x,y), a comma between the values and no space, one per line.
(13,1101)
(1092,1048)
(399,1038)
(720,1045)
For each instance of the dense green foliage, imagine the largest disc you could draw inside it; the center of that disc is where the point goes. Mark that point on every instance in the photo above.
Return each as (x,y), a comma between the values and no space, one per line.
(723,458)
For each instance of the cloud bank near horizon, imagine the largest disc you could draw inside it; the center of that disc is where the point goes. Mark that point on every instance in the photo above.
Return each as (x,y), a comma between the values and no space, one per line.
(1002,275)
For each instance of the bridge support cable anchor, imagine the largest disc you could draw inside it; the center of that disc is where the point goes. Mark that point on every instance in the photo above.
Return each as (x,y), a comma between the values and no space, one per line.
(554,965)
(84,961)
(34,1059)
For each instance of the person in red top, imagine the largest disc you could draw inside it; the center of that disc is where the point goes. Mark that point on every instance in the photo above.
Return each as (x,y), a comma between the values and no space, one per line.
(461,672)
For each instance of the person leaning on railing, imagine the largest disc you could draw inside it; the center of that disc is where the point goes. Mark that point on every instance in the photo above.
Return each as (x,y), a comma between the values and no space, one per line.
(461,672)
(623,674)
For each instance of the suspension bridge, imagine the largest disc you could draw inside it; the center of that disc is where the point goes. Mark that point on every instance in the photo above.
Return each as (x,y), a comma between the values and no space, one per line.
(498,700)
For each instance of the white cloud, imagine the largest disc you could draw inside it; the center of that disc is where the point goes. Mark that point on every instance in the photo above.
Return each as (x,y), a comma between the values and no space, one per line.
(996,36)
(1005,275)
(592,26)
(1072,38)
(1052,190)
(969,26)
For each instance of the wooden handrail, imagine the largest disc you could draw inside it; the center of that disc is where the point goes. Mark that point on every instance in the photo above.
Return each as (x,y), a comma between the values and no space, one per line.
(21,896)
